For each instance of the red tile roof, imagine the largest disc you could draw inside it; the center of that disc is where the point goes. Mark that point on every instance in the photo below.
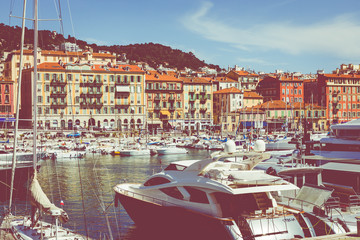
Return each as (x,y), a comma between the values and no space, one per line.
(197,80)
(251,94)
(228,90)
(157,76)
(95,67)
(342,75)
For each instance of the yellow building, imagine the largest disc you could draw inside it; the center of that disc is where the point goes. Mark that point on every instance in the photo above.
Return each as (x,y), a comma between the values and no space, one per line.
(225,102)
(12,62)
(198,104)
(86,95)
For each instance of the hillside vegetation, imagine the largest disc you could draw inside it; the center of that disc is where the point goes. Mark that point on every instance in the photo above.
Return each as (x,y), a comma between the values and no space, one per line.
(151,53)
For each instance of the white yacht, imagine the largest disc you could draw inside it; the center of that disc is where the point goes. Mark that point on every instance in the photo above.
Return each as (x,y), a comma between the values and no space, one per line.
(342,142)
(171,149)
(213,199)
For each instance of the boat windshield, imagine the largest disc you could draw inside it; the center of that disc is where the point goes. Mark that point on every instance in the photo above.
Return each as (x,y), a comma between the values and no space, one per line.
(175,167)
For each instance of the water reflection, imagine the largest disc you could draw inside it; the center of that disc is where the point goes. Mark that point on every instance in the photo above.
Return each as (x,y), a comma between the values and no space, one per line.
(85,187)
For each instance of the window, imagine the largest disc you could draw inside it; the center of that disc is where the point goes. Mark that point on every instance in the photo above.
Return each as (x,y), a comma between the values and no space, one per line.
(156,181)
(173,192)
(138,79)
(197,195)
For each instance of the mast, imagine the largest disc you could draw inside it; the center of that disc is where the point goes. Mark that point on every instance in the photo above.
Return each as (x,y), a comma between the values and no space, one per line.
(34,84)
(17,106)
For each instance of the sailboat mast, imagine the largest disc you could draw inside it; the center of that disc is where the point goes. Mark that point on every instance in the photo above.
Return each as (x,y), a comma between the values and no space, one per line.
(34,84)
(17,106)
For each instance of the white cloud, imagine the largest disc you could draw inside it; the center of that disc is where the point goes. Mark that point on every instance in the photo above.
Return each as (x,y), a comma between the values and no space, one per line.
(338,37)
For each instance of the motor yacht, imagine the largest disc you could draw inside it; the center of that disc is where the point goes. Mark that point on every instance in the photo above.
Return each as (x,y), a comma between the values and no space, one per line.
(214,198)
(342,142)
(171,149)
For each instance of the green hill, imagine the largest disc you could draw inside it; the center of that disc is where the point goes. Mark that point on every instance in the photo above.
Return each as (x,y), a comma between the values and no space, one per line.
(151,53)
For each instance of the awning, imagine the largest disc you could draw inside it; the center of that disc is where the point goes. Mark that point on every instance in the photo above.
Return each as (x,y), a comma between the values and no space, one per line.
(164,112)
(7,119)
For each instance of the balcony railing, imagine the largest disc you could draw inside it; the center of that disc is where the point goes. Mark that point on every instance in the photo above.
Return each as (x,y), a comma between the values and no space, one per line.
(157,108)
(91,83)
(91,104)
(58,94)
(122,82)
(91,94)
(58,105)
(57,82)
(122,105)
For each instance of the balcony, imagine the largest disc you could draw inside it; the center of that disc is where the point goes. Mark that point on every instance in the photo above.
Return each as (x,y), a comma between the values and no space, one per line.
(91,104)
(192,109)
(203,99)
(157,108)
(203,109)
(122,83)
(171,98)
(192,99)
(122,105)
(58,105)
(56,94)
(172,108)
(157,98)
(91,83)
(91,94)
(57,82)
(203,92)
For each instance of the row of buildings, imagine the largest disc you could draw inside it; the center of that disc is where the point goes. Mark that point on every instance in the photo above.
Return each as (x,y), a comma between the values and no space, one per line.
(88,89)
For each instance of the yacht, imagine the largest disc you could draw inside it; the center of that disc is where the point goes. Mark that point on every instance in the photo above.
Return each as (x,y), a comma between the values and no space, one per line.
(342,142)
(214,198)
(171,149)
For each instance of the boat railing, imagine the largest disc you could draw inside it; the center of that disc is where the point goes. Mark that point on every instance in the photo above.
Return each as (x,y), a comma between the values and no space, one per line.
(325,209)
(147,198)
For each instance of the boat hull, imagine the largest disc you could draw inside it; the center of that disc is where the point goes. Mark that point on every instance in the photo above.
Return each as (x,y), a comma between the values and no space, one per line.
(135,153)
(173,222)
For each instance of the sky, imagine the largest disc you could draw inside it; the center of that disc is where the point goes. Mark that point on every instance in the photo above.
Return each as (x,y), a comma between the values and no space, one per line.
(261,35)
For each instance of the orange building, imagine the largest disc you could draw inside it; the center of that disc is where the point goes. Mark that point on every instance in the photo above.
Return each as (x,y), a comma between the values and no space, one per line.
(164,100)
(340,95)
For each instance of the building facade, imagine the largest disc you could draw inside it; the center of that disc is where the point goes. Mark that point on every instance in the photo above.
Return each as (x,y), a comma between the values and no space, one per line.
(164,100)
(86,95)
(6,103)
(248,80)
(198,104)
(340,95)
(225,102)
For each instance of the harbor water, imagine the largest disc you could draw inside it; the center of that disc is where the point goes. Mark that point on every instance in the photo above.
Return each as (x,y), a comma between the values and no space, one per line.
(84,186)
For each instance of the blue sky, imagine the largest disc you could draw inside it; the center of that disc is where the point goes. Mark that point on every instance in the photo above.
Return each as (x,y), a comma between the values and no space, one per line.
(263,35)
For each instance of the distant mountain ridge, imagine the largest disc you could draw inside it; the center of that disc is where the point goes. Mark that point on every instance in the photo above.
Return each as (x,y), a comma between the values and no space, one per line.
(152,53)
